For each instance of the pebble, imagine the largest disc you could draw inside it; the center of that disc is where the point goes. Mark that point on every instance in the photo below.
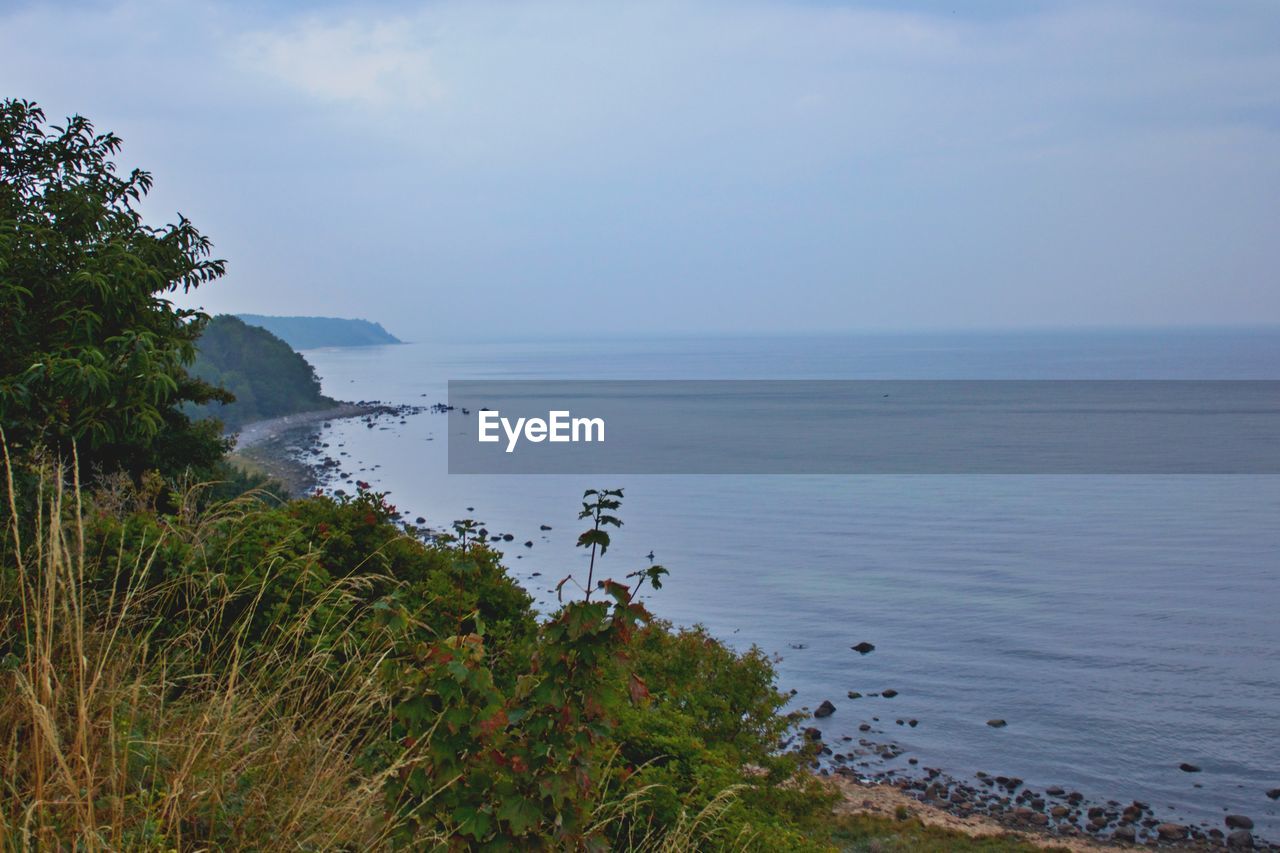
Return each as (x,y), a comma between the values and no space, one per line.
(1238,821)
(997,724)
(863,648)
(826,709)
(1240,840)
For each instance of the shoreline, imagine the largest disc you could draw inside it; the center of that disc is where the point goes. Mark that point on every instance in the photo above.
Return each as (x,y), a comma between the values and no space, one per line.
(267,447)
(275,446)
(258,432)
(937,805)
(888,800)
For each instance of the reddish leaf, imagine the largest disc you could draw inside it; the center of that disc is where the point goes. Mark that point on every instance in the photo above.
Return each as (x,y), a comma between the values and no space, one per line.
(638,689)
(495,723)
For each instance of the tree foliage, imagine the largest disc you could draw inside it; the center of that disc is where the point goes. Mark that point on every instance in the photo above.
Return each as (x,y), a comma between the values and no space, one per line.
(92,349)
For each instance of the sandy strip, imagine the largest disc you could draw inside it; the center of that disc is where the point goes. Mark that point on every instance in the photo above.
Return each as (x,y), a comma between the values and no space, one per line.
(885,799)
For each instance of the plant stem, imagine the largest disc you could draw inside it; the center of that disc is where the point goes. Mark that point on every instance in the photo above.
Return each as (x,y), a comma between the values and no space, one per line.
(591,567)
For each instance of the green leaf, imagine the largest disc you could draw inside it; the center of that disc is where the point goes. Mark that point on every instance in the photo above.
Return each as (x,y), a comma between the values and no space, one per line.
(597,538)
(472,822)
(519,814)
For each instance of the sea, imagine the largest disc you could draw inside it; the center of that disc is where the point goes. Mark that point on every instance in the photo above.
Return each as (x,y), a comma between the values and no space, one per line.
(1121,625)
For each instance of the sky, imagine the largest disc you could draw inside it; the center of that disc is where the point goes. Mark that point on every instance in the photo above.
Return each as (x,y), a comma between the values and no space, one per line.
(550,167)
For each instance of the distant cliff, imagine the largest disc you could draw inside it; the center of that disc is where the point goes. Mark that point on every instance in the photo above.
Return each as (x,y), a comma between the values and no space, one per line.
(312,332)
(267,377)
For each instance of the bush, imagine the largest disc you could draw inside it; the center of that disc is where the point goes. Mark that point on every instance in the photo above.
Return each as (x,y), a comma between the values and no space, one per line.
(713,722)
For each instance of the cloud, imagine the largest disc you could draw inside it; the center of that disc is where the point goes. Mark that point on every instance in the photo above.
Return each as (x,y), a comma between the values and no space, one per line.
(379,63)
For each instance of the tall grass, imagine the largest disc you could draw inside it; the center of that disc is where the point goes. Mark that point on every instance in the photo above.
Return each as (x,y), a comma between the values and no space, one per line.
(119,736)
(619,816)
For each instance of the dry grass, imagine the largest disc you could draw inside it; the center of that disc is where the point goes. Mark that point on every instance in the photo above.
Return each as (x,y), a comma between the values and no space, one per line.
(115,739)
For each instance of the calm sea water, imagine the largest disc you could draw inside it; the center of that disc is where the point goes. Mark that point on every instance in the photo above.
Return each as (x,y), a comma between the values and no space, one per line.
(1120,624)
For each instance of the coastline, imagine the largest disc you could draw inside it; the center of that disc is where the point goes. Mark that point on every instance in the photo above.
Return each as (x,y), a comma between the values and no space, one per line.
(267,447)
(258,432)
(905,799)
(277,448)
(888,801)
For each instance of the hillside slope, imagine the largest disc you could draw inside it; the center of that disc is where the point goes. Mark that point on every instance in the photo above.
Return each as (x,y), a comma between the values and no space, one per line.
(267,376)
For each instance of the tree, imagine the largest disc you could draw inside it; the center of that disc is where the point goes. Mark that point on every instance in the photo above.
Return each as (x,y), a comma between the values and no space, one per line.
(92,350)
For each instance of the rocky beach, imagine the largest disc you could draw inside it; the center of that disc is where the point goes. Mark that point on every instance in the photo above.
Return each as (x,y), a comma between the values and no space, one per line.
(288,450)
(994,805)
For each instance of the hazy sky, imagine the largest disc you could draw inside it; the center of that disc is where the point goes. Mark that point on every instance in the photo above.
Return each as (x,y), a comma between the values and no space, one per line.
(546,166)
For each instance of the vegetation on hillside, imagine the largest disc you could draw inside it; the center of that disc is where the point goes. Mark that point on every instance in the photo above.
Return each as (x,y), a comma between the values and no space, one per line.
(211,677)
(264,374)
(312,332)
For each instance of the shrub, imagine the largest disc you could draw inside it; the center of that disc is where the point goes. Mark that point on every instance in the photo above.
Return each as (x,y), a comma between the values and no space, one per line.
(714,722)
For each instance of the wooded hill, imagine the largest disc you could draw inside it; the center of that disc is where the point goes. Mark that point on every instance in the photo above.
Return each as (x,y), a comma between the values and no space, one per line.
(266,375)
